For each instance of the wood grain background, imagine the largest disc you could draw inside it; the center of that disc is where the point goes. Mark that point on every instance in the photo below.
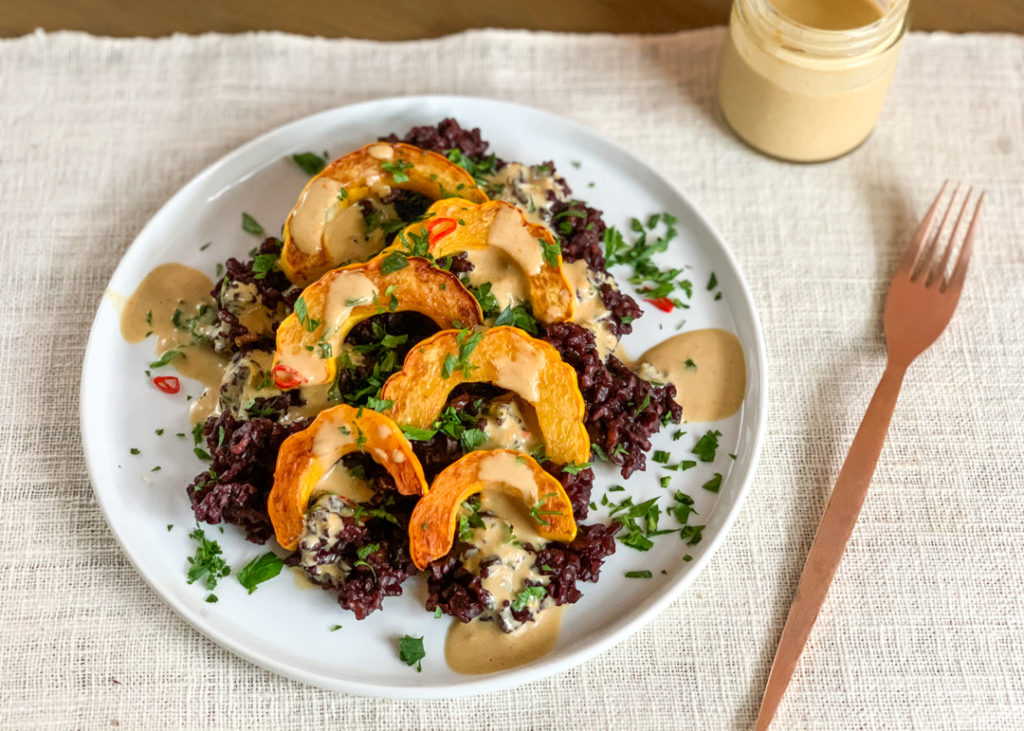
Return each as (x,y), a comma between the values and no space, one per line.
(407,19)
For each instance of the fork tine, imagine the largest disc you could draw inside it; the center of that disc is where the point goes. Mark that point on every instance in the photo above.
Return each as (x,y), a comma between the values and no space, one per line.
(938,271)
(924,263)
(920,236)
(956,280)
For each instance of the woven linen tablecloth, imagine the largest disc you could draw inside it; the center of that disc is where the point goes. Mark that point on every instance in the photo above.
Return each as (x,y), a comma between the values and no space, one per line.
(924,626)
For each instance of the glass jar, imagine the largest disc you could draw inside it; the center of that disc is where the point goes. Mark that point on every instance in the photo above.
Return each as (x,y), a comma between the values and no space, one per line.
(806,93)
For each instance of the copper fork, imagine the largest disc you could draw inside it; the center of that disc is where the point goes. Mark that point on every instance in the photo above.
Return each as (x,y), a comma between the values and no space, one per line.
(919,306)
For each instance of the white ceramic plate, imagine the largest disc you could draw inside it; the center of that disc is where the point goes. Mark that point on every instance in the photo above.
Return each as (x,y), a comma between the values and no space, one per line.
(286,629)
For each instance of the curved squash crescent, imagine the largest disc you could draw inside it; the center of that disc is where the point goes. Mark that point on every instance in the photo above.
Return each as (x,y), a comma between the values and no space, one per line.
(453,225)
(306,456)
(307,346)
(375,169)
(506,357)
(433,522)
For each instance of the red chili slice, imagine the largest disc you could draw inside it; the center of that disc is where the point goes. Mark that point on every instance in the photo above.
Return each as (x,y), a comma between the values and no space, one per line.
(449,226)
(662,303)
(291,378)
(167,384)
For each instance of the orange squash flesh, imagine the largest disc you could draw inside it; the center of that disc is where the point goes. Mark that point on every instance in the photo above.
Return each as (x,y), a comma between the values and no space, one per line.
(307,347)
(506,357)
(308,455)
(433,522)
(372,170)
(550,293)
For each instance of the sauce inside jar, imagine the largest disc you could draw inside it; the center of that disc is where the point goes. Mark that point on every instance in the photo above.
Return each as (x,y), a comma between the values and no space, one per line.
(805,80)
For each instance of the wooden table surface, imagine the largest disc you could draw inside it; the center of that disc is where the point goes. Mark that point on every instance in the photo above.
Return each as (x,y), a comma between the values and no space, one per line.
(406,19)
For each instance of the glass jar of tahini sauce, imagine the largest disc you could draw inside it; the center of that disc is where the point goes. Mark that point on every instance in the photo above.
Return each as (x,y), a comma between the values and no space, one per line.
(805,80)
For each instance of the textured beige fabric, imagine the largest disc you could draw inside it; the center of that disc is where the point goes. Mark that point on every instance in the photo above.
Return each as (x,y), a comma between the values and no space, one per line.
(924,627)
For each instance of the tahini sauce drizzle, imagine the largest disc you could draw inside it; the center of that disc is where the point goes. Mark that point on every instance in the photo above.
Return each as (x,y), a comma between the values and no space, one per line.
(479,647)
(709,389)
(322,221)
(512,256)
(151,308)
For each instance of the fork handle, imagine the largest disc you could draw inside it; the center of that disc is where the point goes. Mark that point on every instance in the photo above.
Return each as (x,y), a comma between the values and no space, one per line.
(830,540)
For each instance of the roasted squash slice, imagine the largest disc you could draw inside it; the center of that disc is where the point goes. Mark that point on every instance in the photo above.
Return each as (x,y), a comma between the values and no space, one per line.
(453,225)
(320,233)
(309,339)
(506,357)
(306,456)
(433,522)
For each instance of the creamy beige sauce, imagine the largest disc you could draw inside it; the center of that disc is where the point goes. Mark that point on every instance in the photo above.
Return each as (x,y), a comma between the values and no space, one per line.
(482,645)
(243,300)
(589,310)
(475,648)
(519,371)
(510,234)
(150,310)
(511,423)
(330,440)
(347,290)
(528,188)
(508,285)
(340,481)
(505,468)
(381,151)
(830,14)
(706,367)
(799,106)
(321,532)
(323,222)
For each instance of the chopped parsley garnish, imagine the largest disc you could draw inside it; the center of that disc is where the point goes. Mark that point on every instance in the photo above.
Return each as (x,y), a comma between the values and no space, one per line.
(712,282)
(202,453)
(690,365)
(205,246)
(301,312)
(520,316)
(166,358)
(488,302)
(472,439)
(653,282)
(360,439)
(397,169)
(714,483)
(334,628)
(639,521)
(638,574)
(310,162)
(417,434)
(692,534)
(211,599)
(251,225)
(207,561)
(263,264)
(677,434)
(682,508)
(467,341)
(135,450)
(551,252)
(526,595)
(478,167)
(362,552)
(411,652)
(661,456)
(260,569)
(574,469)
(706,446)
(643,404)
(379,404)
(170,527)
(437,612)
(159,432)
(536,513)
(687,557)
(394,262)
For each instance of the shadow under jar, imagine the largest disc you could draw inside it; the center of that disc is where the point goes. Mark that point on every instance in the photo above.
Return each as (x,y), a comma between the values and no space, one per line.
(805,80)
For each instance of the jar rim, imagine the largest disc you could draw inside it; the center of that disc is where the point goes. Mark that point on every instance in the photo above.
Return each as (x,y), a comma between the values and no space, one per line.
(824,44)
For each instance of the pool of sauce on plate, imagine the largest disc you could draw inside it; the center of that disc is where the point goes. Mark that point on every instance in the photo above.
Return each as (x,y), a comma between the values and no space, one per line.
(150,310)
(477,647)
(706,367)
